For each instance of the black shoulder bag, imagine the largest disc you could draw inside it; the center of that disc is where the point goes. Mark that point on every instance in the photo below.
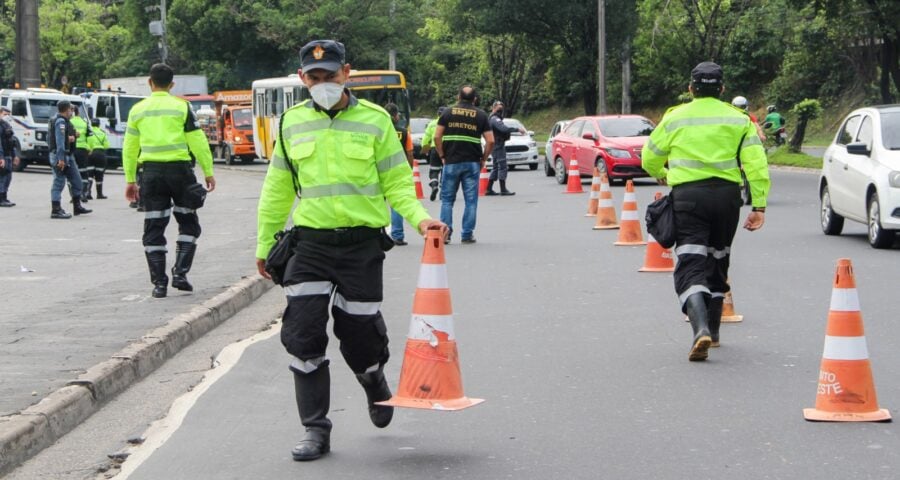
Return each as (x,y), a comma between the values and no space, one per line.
(660,218)
(283,250)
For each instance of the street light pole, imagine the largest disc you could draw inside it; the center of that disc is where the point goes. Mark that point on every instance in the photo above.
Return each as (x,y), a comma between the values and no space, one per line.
(601,57)
(28,53)
(162,39)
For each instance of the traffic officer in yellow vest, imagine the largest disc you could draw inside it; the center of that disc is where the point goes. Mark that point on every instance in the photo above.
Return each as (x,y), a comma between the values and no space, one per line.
(706,143)
(161,135)
(345,159)
(82,148)
(98,143)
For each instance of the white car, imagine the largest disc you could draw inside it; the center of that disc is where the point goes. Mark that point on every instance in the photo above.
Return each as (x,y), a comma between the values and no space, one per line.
(520,149)
(860,178)
(548,149)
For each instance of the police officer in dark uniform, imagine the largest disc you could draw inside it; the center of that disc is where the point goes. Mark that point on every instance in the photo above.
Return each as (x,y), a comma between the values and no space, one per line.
(9,157)
(501,135)
(61,140)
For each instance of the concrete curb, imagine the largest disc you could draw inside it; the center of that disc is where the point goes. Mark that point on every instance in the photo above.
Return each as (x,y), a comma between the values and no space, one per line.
(37,427)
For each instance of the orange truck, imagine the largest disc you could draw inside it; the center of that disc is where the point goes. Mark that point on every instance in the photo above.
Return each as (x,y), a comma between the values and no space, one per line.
(228,124)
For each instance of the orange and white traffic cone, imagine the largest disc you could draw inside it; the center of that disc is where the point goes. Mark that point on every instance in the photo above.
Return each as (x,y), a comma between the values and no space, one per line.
(595,194)
(418,181)
(728,313)
(574,184)
(629,224)
(483,180)
(430,376)
(657,258)
(846,391)
(606,211)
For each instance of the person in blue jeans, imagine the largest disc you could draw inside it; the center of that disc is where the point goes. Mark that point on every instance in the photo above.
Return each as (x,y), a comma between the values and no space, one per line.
(397,233)
(457,140)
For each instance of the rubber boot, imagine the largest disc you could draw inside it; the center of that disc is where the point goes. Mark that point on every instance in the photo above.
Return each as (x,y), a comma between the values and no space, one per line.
(313,393)
(490,189)
(56,211)
(697,312)
(377,390)
(434,189)
(715,319)
(100,195)
(87,185)
(184,257)
(78,209)
(156,261)
(503,190)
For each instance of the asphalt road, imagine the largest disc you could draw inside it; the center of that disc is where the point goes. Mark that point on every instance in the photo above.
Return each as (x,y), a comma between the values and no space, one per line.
(76,291)
(582,360)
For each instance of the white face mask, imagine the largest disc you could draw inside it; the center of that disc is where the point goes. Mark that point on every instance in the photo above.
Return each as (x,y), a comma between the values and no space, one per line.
(327,94)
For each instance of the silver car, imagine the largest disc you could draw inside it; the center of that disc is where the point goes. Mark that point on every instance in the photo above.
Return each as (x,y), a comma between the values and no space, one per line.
(557,127)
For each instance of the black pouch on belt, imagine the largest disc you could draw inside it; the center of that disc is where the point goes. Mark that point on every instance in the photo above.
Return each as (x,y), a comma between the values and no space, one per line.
(660,220)
(387,242)
(281,252)
(195,196)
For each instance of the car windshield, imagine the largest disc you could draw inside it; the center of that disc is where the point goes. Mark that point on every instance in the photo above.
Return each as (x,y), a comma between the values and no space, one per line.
(125,104)
(513,123)
(243,118)
(890,130)
(417,125)
(197,105)
(625,127)
(42,110)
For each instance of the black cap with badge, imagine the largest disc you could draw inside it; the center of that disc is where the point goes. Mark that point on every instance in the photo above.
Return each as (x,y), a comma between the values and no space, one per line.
(322,54)
(707,74)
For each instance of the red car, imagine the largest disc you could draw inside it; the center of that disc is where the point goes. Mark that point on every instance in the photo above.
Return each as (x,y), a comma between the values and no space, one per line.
(611,143)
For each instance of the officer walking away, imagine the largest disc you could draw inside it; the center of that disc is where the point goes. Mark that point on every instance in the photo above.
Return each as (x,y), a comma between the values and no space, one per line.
(406,141)
(9,157)
(98,143)
(434,161)
(706,142)
(162,133)
(81,153)
(345,158)
(501,135)
(457,140)
(60,140)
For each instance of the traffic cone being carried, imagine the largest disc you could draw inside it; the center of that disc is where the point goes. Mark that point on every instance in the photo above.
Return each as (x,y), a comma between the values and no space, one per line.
(630,225)
(846,391)
(728,313)
(483,180)
(418,180)
(430,376)
(606,211)
(574,185)
(657,258)
(595,194)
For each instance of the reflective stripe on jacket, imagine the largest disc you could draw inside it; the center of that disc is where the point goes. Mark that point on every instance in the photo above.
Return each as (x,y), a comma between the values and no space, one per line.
(428,137)
(98,139)
(82,128)
(162,128)
(347,166)
(701,140)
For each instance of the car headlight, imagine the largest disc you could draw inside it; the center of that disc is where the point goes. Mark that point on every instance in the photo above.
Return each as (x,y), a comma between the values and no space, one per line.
(237,139)
(532,144)
(894,179)
(618,153)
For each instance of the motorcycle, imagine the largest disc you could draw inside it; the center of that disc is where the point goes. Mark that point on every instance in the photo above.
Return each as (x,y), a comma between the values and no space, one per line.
(779,135)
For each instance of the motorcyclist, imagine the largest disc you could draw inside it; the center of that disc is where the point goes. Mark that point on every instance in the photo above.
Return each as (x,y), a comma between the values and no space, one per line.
(774,124)
(743,104)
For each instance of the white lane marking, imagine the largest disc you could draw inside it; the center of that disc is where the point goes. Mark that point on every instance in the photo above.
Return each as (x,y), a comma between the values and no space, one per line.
(161,430)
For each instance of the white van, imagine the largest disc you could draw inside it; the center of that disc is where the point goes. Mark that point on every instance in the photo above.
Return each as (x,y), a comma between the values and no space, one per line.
(112,109)
(30,111)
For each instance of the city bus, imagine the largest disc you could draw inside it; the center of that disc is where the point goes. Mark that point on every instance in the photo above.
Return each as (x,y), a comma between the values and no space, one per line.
(272,96)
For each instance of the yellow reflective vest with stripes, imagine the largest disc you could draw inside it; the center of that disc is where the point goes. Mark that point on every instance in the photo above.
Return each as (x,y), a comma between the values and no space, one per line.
(162,128)
(701,140)
(347,166)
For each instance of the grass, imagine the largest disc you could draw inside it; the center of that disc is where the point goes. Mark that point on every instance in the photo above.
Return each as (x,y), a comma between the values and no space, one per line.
(783,156)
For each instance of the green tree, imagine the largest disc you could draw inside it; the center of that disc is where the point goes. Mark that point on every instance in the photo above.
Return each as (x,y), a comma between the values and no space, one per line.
(805,111)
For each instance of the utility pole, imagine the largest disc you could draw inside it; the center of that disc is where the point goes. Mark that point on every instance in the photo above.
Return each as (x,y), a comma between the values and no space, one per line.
(626,77)
(158,29)
(28,53)
(392,59)
(601,56)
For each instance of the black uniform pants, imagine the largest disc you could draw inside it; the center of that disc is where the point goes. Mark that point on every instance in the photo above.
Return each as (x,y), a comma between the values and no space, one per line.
(343,269)
(163,184)
(97,161)
(434,166)
(84,165)
(706,219)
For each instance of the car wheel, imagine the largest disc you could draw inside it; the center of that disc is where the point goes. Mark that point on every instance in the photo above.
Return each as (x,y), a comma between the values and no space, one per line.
(532,166)
(832,223)
(878,237)
(601,166)
(229,158)
(561,175)
(548,170)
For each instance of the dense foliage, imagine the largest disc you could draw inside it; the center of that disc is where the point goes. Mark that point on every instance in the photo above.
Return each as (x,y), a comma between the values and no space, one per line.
(530,53)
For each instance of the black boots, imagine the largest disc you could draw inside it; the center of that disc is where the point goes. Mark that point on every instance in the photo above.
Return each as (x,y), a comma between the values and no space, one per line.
(313,393)
(434,189)
(78,209)
(697,312)
(4,202)
(715,319)
(157,263)
(56,211)
(100,195)
(490,189)
(503,190)
(377,390)
(184,257)
(87,185)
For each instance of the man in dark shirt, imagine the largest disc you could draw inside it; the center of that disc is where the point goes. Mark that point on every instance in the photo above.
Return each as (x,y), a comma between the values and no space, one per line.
(501,135)
(61,140)
(457,140)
